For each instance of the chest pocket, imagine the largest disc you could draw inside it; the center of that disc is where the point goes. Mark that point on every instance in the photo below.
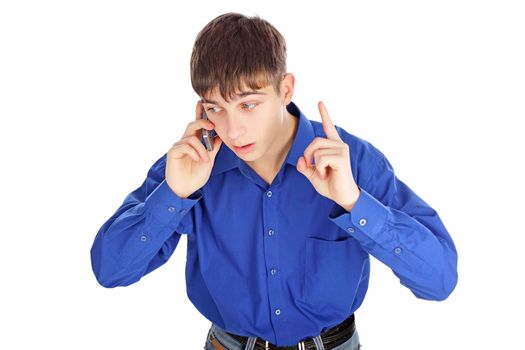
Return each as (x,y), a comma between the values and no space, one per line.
(333,271)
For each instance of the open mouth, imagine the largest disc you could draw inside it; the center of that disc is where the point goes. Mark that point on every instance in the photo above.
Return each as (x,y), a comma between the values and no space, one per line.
(245,148)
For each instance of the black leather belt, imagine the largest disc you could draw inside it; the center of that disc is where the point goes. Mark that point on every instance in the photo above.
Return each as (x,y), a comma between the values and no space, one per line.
(331,338)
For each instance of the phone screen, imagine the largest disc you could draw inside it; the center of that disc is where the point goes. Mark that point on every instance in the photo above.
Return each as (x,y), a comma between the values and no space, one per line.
(207,135)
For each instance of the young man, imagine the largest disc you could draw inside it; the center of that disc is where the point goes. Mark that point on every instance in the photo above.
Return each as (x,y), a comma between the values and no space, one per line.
(281,216)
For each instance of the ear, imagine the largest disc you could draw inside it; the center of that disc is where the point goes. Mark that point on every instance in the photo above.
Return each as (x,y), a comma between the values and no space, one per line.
(287,86)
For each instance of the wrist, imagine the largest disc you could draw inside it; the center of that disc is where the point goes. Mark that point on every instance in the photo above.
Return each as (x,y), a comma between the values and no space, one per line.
(348,206)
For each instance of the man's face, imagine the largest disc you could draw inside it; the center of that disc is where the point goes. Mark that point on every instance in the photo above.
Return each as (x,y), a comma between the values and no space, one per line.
(252,117)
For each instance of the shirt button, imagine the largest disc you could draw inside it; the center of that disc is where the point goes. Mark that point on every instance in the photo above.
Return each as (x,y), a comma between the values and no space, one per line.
(270,232)
(278,312)
(182,211)
(350,229)
(362,222)
(143,238)
(397,250)
(171,208)
(269,193)
(273,271)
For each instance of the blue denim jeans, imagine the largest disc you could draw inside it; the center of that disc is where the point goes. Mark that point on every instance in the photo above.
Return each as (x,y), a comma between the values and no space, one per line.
(216,334)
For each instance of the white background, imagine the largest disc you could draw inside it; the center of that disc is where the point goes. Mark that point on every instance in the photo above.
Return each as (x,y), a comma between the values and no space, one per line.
(93,92)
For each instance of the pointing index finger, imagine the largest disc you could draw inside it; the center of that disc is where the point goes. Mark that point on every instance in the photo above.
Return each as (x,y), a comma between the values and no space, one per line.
(328,126)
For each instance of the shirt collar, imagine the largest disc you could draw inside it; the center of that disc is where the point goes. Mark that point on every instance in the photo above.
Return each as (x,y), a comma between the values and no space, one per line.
(226,159)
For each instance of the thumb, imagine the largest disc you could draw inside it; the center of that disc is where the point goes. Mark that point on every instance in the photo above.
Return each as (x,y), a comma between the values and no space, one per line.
(300,165)
(217,142)
(309,172)
(302,168)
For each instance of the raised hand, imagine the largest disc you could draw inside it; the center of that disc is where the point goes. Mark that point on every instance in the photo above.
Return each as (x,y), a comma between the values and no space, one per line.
(331,175)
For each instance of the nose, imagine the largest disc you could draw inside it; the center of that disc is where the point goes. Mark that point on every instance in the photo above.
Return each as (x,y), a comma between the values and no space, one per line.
(236,129)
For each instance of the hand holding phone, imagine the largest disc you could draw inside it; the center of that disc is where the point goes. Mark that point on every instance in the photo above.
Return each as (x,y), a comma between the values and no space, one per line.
(208,136)
(190,160)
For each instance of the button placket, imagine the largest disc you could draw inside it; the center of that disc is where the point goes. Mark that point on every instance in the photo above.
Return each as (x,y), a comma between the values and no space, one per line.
(271,248)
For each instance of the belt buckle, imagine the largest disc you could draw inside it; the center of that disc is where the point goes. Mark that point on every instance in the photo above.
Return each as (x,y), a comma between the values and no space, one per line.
(300,345)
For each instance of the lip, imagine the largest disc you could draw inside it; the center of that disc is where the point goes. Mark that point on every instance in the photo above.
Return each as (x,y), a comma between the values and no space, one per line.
(244,149)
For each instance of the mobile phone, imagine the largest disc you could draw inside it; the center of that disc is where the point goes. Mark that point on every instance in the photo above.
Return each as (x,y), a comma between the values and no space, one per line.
(208,136)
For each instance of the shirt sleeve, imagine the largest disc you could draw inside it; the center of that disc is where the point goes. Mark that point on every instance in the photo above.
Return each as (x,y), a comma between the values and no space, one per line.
(143,232)
(400,229)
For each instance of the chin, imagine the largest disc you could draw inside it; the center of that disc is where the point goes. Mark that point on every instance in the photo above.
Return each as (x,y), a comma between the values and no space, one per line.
(250,157)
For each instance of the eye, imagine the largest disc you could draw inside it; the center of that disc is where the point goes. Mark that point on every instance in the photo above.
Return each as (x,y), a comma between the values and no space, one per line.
(211,109)
(250,104)
(246,106)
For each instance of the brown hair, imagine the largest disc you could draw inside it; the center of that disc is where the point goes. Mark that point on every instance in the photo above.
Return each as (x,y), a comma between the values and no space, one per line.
(233,51)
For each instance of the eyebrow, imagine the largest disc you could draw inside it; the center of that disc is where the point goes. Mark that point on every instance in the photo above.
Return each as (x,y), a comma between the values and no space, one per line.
(242,94)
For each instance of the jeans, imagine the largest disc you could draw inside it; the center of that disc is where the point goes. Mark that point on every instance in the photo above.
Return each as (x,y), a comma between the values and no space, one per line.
(217,335)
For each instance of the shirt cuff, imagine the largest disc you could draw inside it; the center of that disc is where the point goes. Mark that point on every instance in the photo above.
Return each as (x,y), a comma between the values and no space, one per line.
(368,216)
(167,207)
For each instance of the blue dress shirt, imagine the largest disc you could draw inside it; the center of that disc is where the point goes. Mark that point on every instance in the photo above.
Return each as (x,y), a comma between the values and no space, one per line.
(279,261)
